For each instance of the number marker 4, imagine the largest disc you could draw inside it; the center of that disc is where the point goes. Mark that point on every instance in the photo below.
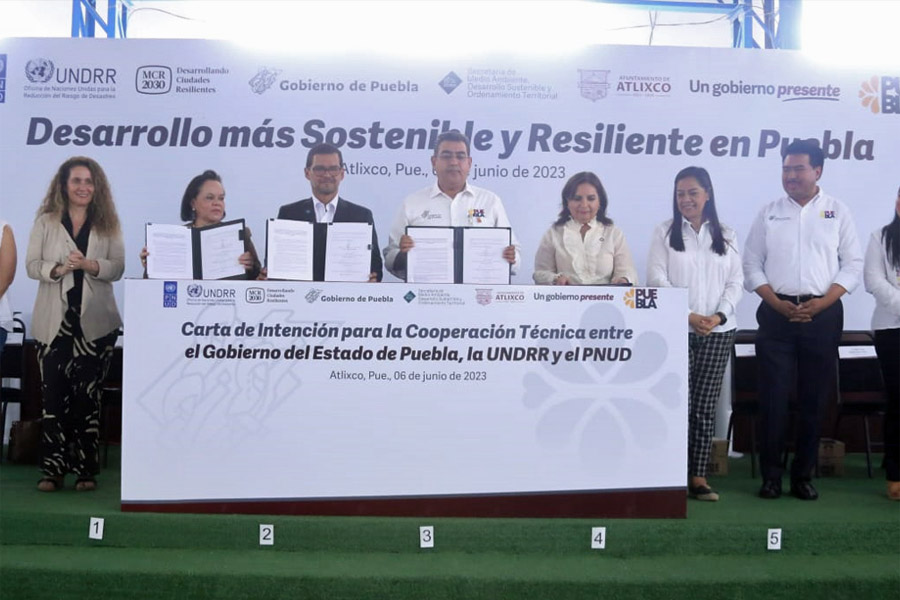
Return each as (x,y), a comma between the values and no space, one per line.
(266,535)
(598,538)
(426,536)
(773,540)
(95,530)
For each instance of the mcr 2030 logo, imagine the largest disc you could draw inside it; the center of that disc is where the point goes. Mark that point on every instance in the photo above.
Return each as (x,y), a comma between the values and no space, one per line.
(881,94)
(641,298)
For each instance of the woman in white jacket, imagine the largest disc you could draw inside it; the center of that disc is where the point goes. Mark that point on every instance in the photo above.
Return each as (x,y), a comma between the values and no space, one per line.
(694,251)
(882,280)
(583,247)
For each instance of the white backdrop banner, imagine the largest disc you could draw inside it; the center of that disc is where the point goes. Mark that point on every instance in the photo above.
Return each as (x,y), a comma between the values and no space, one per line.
(157,112)
(245,391)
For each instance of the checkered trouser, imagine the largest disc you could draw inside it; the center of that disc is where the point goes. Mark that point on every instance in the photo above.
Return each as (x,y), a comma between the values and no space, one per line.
(707,358)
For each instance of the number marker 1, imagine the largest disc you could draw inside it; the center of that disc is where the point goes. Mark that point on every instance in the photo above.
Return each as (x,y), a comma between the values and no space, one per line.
(773,540)
(598,538)
(426,536)
(95,530)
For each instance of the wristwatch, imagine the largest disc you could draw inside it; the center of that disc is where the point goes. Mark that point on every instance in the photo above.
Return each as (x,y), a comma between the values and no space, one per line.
(723,318)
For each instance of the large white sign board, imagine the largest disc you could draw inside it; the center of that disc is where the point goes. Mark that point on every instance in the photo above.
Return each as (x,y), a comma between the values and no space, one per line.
(295,391)
(157,112)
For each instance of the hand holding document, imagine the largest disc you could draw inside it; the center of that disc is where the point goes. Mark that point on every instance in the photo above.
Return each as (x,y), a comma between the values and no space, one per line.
(458,255)
(483,260)
(432,259)
(170,252)
(179,252)
(348,253)
(289,249)
(220,247)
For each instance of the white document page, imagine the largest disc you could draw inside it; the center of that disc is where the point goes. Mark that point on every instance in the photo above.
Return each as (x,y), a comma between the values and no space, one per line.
(348,255)
(220,248)
(483,260)
(170,252)
(431,259)
(289,249)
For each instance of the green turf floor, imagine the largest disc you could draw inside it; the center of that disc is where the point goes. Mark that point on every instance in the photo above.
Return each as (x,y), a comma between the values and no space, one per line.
(845,545)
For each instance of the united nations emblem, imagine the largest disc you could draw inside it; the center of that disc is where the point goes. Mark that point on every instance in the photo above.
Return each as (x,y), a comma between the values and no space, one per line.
(39,70)
(593,84)
(194,290)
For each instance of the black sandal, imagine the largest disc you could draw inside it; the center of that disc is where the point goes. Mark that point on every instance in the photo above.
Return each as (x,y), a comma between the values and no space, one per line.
(85,484)
(50,484)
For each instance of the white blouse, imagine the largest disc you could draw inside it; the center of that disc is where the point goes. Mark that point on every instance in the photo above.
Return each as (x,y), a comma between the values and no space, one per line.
(882,280)
(714,282)
(600,258)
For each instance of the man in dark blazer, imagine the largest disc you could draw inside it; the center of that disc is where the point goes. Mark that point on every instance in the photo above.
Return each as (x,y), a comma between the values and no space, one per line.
(325,171)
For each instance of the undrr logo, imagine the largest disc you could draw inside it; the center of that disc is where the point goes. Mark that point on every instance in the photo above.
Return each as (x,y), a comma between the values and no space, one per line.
(153,79)
(641,298)
(881,94)
(39,70)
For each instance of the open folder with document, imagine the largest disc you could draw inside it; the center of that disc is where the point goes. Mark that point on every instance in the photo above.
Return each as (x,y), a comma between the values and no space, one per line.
(458,255)
(303,251)
(182,252)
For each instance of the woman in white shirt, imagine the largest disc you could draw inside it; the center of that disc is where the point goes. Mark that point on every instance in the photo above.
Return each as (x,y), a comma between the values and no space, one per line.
(694,251)
(583,247)
(882,280)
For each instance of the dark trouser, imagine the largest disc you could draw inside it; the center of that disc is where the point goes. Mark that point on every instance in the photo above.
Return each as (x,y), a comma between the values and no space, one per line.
(72,373)
(887,345)
(782,349)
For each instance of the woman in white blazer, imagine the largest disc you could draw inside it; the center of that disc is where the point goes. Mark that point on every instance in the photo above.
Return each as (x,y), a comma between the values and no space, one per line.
(75,251)
(583,247)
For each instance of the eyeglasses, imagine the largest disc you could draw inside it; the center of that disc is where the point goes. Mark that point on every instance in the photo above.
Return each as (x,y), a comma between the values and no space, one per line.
(332,170)
(460,156)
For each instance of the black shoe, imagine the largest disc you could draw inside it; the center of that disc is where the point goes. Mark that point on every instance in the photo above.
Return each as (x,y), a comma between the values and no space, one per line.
(703,492)
(804,490)
(771,489)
